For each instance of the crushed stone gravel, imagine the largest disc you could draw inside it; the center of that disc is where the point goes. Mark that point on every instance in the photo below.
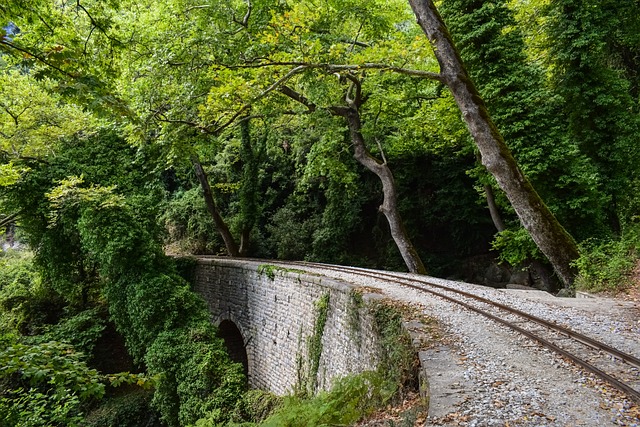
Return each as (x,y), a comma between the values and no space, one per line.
(482,374)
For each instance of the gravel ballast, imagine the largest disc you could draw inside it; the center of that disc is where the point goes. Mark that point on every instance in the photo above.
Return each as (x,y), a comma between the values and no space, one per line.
(483,374)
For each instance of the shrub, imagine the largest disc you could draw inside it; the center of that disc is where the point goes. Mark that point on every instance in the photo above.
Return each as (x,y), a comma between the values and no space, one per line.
(26,304)
(128,410)
(45,384)
(607,264)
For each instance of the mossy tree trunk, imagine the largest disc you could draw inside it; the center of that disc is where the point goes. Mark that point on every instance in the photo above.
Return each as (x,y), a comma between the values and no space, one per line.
(389,206)
(552,239)
(221,226)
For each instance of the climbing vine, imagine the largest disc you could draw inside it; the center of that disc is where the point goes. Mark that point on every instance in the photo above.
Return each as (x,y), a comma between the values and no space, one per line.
(308,381)
(166,326)
(398,361)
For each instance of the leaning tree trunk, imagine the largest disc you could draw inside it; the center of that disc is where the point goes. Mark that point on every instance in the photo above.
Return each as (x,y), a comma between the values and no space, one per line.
(221,226)
(493,209)
(545,230)
(389,205)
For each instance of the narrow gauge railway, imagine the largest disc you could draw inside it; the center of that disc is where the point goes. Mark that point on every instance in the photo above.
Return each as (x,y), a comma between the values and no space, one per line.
(619,369)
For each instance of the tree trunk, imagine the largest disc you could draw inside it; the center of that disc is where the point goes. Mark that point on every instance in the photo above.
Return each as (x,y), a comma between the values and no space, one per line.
(493,208)
(552,239)
(223,229)
(389,205)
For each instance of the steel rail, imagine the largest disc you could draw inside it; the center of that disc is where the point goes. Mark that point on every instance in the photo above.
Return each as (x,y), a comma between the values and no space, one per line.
(404,281)
(588,341)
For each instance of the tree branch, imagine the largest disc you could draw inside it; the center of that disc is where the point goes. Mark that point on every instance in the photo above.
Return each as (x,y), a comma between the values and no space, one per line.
(46,24)
(204,6)
(9,219)
(356,102)
(355,41)
(299,69)
(160,116)
(345,67)
(229,122)
(245,19)
(86,42)
(36,56)
(375,126)
(296,96)
(95,23)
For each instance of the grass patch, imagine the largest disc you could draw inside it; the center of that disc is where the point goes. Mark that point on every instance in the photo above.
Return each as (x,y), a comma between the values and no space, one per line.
(270,270)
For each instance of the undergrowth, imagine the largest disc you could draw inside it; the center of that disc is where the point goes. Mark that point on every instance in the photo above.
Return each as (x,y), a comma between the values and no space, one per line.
(607,265)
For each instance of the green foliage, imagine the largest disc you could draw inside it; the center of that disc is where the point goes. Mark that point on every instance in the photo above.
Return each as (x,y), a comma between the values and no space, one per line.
(128,410)
(248,192)
(81,330)
(270,270)
(96,158)
(189,224)
(26,303)
(398,362)
(348,401)
(186,267)
(197,378)
(515,246)
(164,323)
(606,265)
(310,386)
(291,232)
(33,121)
(592,50)
(356,304)
(45,384)
(255,406)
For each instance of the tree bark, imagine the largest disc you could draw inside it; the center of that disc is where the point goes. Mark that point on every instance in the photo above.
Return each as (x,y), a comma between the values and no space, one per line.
(221,226)
(493,209)
(389,205)
(552,239)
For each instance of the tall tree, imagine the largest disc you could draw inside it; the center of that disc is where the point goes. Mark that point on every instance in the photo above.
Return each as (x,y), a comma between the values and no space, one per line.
(526,112)
(351,113)
(552,239)
(268,53)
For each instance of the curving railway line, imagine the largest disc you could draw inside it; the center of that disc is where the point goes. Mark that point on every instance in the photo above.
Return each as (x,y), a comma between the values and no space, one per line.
(619,369)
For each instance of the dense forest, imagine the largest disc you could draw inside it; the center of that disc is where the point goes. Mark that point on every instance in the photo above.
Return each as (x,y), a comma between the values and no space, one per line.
(489,141)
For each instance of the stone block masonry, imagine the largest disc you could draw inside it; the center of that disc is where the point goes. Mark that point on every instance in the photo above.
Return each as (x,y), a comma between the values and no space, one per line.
(277,312)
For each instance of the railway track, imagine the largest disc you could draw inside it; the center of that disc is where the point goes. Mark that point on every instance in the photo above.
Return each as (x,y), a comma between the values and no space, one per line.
(619,369)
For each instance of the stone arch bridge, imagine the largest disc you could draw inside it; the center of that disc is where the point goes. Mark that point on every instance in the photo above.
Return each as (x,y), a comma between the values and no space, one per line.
(288,327)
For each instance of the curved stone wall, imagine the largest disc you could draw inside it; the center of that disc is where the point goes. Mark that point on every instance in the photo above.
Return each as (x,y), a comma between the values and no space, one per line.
(278,313)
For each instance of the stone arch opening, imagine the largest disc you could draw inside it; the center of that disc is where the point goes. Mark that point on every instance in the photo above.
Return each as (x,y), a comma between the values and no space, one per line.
(233,341)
